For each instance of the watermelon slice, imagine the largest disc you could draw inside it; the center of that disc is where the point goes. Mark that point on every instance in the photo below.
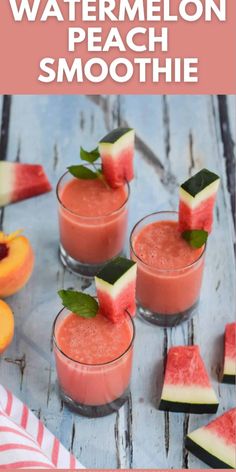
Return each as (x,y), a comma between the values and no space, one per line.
(117,153)
(187,387)
(215,443)
(115,285)
(19,181)
(229,371)
(197,200)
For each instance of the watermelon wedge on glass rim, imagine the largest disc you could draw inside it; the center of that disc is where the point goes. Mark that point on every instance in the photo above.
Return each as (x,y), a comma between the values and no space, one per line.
(116,285)
(229,369)
(20,181)
(187,387)
(196,201)
(215,443)
(117,153)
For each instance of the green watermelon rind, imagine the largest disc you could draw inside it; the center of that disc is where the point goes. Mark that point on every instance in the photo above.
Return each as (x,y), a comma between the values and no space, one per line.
(199,182)
(179,407)
(115,135)
(229,379)
(114,270)
(184,393)
(205,456)
(229,368)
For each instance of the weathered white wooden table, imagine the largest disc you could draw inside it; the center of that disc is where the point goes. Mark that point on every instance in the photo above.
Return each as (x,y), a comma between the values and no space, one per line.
(176,136)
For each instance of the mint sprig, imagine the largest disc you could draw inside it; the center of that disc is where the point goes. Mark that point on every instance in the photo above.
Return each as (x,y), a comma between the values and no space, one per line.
(83,172)
(195,237)
(79,303)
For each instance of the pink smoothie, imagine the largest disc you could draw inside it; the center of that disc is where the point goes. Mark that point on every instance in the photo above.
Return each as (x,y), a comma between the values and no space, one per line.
(98,365)
(169,272)
(93,220)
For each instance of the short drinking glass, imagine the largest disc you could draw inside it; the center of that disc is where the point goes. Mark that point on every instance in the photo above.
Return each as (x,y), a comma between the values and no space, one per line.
(170,271)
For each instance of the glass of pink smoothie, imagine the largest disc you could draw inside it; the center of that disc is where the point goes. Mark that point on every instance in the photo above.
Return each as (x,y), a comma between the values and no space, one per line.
(93,361)
(169,274)
(92,221)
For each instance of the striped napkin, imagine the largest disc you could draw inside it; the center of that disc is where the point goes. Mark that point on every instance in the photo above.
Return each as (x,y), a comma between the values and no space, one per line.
(24,440)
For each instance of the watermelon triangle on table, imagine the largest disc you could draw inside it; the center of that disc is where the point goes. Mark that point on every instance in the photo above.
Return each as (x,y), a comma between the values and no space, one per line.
(117,153)
(196,201)
(229,370)
(20,181)
(215,443)
(187,387)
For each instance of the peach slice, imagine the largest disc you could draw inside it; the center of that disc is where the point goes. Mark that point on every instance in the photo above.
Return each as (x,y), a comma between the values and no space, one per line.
(16,262)
(6,326)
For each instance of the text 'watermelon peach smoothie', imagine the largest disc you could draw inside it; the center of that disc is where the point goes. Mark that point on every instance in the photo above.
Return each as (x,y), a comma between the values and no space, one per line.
(94,354)
(93,204)
(171,261)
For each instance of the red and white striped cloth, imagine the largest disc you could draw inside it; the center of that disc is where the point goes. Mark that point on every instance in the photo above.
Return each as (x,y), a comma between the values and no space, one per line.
(25,442)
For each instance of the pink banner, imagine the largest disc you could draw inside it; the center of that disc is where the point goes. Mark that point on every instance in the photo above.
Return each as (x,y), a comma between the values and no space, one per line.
(152,46)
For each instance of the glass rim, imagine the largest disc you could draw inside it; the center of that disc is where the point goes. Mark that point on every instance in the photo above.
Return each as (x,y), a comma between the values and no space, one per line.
(84,216)
(101,363)
(156,269)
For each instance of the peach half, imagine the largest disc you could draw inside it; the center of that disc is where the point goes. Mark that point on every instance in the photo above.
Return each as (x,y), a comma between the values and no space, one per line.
(6,326)
(16,262)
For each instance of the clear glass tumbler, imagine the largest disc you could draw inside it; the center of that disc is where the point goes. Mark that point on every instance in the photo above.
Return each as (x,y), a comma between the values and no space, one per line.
(88,242)
(166,297)
(93,390)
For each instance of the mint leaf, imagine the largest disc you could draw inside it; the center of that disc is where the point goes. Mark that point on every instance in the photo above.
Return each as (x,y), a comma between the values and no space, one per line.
(79,303)
(81,172)
(195,237)
(89,156)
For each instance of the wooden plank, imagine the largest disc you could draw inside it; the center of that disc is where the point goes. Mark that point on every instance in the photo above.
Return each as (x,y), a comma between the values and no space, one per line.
(151,428)
(176,136)
(226,110)
(231,100)
(51,132)
(1,102)
(5,110)
(190,149)
(217,306)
